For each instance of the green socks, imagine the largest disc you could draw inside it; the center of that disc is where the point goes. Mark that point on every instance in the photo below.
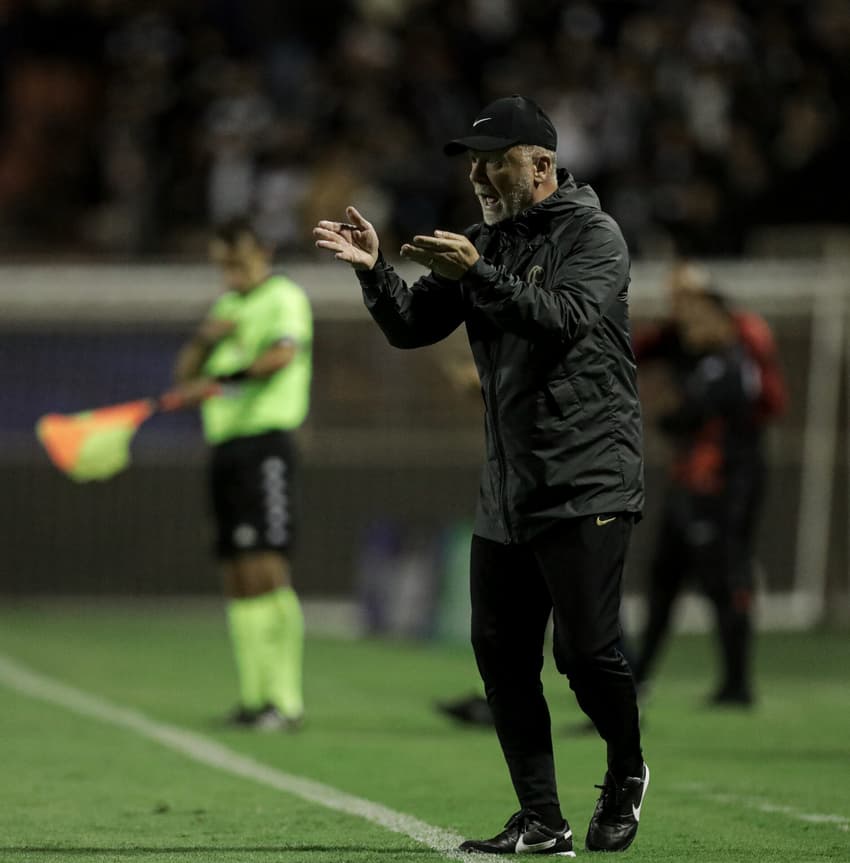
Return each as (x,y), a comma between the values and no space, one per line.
(267,633)
(286,652)
(246,617)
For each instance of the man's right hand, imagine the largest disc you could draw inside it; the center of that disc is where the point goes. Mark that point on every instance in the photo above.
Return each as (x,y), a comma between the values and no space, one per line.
(355,242)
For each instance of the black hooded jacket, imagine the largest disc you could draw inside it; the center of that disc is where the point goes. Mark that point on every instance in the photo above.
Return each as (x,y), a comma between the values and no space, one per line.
(546,314)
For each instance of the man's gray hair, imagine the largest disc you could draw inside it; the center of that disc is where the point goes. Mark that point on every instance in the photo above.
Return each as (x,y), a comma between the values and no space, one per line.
(530,152)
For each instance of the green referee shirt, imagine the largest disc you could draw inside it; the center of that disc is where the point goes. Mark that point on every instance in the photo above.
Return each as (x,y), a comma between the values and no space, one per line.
(276,310)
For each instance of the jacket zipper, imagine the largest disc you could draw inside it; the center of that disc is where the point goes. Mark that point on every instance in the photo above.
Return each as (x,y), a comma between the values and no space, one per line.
(497,433)
(500,449)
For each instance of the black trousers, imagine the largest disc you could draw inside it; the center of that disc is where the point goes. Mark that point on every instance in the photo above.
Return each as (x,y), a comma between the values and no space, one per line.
(709,539)
(574,572)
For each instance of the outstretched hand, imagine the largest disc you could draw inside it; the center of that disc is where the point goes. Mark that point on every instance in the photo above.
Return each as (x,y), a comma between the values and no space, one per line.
(354,242)
(447,254)
(189,394)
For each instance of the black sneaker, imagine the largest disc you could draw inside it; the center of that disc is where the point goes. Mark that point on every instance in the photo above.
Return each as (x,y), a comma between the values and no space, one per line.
(471,711)
(267,718)
(525,834)
(241,717)
(293,723)
(615,820)
(727,697)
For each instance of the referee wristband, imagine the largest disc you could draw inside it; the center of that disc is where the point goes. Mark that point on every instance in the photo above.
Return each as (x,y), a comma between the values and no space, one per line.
(233,377)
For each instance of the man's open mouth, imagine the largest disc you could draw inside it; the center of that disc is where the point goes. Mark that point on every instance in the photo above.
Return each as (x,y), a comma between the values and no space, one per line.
(488,200)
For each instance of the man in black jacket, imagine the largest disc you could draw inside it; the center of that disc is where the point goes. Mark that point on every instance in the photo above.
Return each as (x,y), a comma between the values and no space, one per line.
(542,287)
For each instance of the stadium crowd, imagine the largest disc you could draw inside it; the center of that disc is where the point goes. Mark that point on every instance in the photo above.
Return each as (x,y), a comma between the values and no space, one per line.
(126,128)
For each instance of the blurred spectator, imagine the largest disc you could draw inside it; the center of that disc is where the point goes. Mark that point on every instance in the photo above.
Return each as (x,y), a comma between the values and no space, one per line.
(725,386)
(128,128)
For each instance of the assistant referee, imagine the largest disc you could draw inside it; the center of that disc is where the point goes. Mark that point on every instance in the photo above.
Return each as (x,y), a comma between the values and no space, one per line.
(256,341)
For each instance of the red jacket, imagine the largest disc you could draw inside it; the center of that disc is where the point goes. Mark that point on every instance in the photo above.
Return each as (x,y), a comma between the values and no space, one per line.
(662,341)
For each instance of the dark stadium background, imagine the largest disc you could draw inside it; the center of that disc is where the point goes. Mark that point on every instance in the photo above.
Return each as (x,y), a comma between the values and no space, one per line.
(128,126)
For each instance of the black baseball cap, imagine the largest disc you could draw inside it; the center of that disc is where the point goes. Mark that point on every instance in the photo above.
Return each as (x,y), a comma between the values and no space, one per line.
(505,122)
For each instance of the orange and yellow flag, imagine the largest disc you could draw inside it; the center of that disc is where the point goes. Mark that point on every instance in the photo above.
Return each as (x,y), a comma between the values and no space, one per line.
(93,444)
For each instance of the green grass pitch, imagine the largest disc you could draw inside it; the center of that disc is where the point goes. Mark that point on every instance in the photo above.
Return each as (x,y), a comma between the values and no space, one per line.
(766,785)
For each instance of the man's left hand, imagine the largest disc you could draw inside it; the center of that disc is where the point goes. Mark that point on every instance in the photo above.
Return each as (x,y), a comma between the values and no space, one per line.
(448,255)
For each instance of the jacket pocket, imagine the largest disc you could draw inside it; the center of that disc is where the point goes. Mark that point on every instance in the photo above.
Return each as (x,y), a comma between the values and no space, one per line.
(561,398)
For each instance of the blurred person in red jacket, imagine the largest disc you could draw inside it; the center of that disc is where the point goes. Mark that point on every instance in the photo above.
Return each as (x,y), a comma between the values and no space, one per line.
(727,386)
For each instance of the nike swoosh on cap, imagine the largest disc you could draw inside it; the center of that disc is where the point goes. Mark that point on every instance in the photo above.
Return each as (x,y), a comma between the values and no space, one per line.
(600,521)
(482,120)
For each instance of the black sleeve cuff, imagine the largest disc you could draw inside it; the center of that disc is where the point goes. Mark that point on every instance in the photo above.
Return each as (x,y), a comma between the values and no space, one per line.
(479,275)
(371,279)
(233,377)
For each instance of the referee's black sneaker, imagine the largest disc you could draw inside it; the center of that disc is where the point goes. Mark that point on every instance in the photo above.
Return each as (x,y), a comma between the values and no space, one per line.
(266,718)
(471,711)
(525,833)
(615,820)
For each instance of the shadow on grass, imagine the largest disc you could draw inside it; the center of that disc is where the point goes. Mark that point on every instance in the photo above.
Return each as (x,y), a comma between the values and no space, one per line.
(438,728)
(140,850)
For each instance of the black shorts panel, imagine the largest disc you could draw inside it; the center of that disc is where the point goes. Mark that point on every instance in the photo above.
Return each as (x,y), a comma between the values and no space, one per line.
(252,488)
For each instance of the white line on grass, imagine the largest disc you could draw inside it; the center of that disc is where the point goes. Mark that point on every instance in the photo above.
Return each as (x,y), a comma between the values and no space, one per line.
(207,751)
(842,822)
